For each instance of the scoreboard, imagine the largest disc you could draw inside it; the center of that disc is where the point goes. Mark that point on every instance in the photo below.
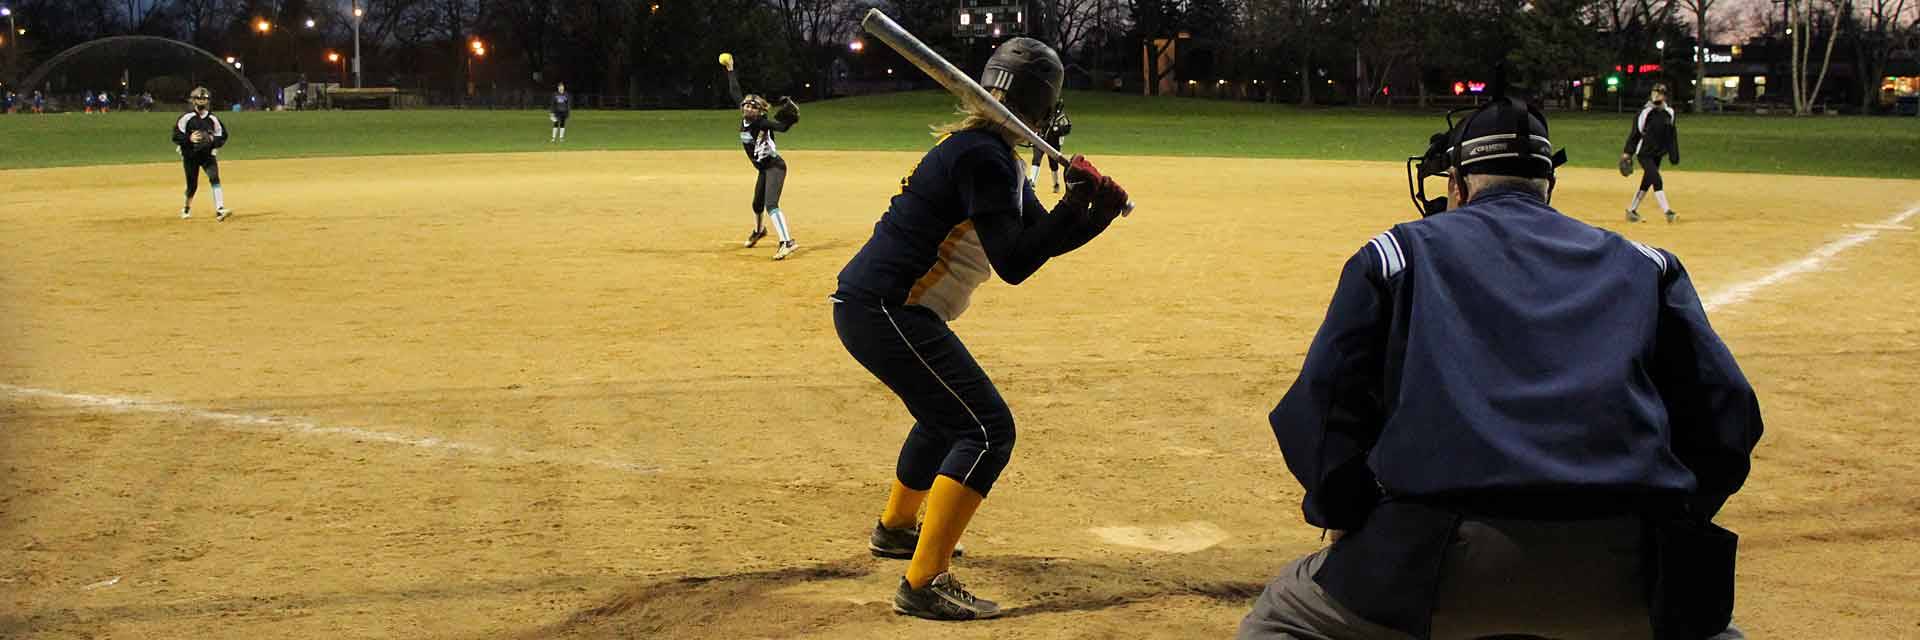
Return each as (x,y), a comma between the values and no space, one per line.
(990,19)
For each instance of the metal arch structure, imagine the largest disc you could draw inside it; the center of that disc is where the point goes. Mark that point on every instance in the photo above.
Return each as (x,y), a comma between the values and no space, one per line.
(39,73)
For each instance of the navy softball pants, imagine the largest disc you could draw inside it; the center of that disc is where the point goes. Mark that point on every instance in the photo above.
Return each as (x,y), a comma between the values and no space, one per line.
(962,428)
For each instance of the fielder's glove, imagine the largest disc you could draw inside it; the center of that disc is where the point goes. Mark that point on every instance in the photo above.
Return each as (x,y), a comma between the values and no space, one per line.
(1626,165)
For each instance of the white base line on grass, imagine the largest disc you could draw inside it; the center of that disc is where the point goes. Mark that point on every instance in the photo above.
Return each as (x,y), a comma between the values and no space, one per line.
(1744,291)
(300,426)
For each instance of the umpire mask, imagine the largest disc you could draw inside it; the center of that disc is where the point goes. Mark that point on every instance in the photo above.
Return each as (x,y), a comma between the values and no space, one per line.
(1507,137)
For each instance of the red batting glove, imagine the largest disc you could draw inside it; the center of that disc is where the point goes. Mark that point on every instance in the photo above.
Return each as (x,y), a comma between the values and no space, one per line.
(1110,199)
(1084,183)
(1083,179)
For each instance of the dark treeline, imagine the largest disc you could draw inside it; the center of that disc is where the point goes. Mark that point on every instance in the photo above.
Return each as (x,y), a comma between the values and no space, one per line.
(661,52)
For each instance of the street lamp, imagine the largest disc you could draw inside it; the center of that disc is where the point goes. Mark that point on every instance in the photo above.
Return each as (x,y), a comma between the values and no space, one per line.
(309,23)
(263,26)
(479,50)
(11,29)
(334,58)
(357,14)
(1660,44)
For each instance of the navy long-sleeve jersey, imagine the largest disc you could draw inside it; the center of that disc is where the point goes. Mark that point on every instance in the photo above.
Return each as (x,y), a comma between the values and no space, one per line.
(1655,133)
(756,133)
(1505,350)
(562,104)
(207,123)
(965,212)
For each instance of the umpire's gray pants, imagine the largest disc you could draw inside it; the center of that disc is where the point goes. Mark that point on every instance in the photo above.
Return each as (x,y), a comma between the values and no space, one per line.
(1562,580)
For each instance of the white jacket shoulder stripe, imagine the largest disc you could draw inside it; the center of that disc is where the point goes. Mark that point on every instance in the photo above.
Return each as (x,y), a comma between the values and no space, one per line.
(1392,259)
(1659,259)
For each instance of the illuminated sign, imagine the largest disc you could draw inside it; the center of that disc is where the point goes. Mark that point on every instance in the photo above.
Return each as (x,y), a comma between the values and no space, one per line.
(977,19)
(1637,68)
(1709,55)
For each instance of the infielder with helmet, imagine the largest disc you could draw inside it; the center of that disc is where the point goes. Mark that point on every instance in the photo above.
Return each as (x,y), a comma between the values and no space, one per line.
(1653,135)
(199,135)
(964,213)
(759,120)
(562,107)
(1056,135)
(1515,424)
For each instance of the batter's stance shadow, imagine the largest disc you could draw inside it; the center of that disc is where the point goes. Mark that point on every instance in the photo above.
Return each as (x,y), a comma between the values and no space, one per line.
(1064,585)
(761,603)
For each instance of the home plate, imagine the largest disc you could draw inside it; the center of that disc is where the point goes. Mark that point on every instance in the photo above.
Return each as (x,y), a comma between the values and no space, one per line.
(1185,537)
(1882,227)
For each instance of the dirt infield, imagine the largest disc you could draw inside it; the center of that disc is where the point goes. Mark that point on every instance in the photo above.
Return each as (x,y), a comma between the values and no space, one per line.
(548,395)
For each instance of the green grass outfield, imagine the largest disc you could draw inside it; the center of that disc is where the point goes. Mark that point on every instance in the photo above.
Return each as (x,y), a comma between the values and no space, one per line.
(1103,124)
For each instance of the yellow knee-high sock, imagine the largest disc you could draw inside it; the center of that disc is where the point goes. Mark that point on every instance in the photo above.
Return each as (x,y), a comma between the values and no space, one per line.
(903,507)
(950,506)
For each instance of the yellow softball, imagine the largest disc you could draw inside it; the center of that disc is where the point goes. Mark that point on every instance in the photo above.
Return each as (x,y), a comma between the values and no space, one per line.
(726,59)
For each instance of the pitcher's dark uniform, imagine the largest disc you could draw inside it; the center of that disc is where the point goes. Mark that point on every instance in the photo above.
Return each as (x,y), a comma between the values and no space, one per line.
(756,138)
(1653,135)
(204,156)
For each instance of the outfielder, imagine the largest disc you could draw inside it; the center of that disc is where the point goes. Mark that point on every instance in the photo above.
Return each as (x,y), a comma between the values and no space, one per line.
(1056,134)
(756,137)
(562,107)
(1653,135)
(964,213)
(199,134)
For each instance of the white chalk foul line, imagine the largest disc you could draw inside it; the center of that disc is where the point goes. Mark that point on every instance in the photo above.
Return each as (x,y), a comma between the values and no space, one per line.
(1744,291)
(301,426)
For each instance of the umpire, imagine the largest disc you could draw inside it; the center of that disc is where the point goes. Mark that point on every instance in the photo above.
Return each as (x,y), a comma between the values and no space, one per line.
(1514,423)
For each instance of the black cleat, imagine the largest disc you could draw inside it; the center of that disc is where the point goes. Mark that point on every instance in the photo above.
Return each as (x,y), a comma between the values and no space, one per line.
(1633,216)
(898,544)
(754,238)
(942,599)
(1673,216)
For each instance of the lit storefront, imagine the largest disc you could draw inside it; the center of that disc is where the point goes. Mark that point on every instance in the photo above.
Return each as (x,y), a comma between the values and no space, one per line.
(1730,78)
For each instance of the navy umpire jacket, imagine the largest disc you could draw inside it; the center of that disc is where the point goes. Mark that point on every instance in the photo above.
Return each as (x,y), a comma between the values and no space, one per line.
(1503,350)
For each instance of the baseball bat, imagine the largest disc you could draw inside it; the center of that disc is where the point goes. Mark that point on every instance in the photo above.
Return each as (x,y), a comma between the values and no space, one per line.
(959,84)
